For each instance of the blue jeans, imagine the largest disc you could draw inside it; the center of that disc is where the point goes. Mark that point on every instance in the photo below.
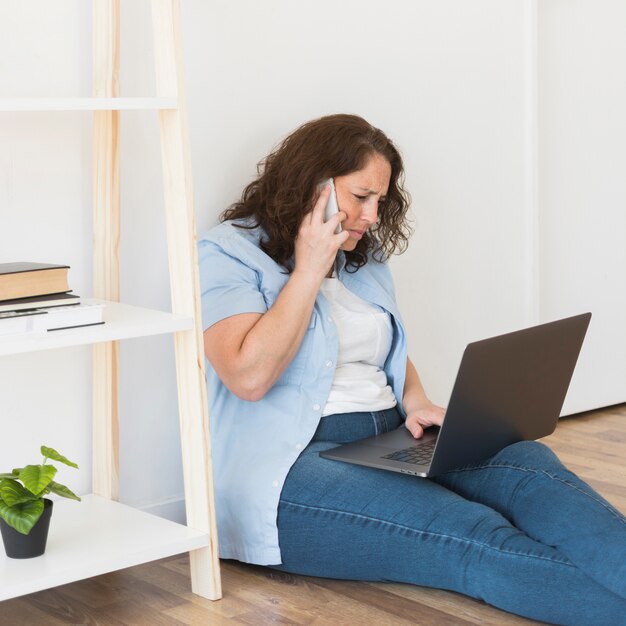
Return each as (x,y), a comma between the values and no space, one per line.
(518,531)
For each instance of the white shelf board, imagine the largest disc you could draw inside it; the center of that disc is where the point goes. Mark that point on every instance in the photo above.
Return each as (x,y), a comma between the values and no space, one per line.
(93,537)
(86,104)
(122,321)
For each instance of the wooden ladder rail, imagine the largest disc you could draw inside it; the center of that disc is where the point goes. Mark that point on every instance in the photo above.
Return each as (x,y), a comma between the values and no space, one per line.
(106,238)
(184,280)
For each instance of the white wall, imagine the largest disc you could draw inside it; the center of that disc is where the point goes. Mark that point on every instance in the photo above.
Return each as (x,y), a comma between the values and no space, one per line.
(582,185)
(451,81)
(444,82)
(45,197)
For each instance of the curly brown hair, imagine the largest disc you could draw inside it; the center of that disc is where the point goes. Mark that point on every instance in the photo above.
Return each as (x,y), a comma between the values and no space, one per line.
(287,188)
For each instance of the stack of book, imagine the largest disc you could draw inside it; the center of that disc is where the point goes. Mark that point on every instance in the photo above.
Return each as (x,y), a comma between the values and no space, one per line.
(36,297)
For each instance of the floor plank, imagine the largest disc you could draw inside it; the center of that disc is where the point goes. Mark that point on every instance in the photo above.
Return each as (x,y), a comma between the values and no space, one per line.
(592,444)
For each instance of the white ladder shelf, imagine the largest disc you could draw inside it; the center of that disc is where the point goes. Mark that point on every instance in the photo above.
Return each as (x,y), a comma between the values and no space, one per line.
(120,536)
(15,105)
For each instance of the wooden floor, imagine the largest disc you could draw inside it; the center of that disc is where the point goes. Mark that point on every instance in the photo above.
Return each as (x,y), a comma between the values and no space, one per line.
(592,444)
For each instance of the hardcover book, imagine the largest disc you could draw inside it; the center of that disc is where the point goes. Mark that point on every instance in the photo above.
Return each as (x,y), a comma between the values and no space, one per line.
(17,322)
(40,302)
(24,280)
(46,320)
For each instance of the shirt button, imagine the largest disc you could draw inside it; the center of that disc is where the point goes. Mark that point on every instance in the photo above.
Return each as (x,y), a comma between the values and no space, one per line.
(329,363)
(316,407)
(275,483)
(298,446)
(330,319)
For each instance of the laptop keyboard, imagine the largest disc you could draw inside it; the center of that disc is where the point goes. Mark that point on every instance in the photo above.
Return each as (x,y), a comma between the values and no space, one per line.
(421,454)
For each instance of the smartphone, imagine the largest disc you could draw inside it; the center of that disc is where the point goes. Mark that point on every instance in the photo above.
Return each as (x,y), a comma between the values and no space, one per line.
(331,206)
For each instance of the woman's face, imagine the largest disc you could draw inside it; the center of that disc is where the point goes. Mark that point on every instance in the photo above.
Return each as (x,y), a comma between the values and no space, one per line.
(358,195)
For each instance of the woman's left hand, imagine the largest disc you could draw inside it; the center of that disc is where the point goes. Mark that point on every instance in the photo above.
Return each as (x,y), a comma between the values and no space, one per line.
(423,417)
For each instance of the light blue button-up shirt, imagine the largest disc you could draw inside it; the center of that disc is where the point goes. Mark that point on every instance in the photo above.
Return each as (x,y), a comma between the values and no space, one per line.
(254,444)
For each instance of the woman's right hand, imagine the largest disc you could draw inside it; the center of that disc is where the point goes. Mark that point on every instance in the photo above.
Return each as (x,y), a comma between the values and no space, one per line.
(250,351)
(317,243)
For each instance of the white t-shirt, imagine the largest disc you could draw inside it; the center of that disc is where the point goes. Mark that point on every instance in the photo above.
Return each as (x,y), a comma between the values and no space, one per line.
(365,335)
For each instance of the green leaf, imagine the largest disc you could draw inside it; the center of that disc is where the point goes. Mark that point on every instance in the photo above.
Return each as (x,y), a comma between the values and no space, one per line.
(62,490)
(23,516)
(51,453)
(13,493)
(37,477)
(10,476)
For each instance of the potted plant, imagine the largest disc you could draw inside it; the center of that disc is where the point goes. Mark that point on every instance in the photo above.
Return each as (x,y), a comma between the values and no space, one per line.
(24,511)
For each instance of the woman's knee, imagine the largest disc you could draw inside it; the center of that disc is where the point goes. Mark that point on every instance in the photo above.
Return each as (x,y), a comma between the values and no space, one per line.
(529,453)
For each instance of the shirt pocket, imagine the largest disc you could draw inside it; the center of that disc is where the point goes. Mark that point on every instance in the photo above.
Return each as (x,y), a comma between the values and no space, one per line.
(294,373)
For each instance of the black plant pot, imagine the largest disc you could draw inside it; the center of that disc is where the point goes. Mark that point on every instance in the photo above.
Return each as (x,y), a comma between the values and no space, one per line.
(18,546)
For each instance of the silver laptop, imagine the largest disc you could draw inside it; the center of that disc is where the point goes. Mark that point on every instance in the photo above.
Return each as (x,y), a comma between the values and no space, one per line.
(508,388)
